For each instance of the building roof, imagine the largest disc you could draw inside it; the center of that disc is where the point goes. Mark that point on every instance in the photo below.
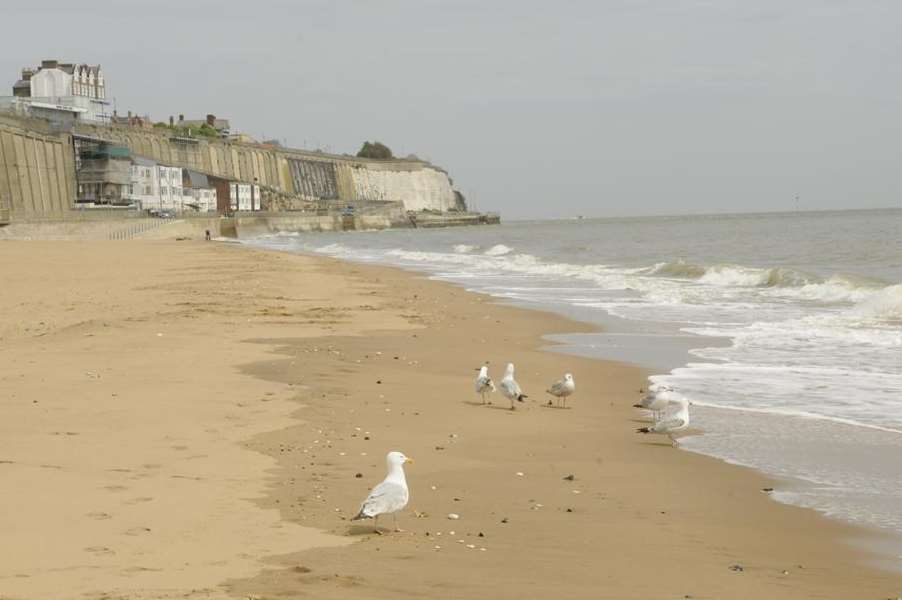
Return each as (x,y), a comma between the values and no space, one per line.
(218,124)
(197,180)
(143,162)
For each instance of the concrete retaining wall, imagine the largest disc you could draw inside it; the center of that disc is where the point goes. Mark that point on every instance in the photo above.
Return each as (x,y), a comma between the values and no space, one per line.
(37,172)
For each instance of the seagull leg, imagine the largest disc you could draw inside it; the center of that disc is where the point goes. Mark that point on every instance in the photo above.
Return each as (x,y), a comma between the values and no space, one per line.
(395,519)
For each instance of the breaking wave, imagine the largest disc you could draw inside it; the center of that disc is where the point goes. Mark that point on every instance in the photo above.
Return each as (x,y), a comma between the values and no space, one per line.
(498,250)
(885,305)
(464,248)
(785,281)
(732,275)
(332,249)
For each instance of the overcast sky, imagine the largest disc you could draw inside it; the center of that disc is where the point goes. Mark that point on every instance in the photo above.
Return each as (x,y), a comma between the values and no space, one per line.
(537,109)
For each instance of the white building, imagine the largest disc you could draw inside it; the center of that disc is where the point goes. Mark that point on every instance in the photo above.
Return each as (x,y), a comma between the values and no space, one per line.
(159,187)
(61,91)
(172,196)
(244,196)
(201,199)
(198,188)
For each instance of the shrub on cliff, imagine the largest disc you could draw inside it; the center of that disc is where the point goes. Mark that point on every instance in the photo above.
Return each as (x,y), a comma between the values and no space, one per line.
(375,150)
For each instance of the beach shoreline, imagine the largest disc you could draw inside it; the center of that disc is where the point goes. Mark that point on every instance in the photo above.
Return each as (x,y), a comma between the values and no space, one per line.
(323,347)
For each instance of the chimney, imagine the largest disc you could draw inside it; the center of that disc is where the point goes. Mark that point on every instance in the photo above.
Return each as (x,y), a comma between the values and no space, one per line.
(211,120)
(181,118)
(171,120)
(115,114)
(129,116)
(49,64)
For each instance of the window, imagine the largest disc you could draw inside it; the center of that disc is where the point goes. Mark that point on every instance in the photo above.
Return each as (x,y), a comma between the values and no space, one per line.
(147,190)
(164,190)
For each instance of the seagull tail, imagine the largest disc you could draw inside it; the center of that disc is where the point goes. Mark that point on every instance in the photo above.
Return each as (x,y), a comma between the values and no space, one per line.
(360,516)
(638,406)
(522,397)
(643,430)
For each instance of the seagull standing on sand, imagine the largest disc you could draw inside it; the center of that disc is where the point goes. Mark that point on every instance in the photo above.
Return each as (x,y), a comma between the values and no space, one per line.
(561,389)
(390,496)
(510,388)
(484,383)
(656,401)
(671,424)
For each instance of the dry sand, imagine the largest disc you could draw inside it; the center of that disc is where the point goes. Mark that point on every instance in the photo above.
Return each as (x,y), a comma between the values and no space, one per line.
(188,420)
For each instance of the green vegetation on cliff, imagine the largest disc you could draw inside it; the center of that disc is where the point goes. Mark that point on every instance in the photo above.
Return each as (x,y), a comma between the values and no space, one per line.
(376,150)
(202,131)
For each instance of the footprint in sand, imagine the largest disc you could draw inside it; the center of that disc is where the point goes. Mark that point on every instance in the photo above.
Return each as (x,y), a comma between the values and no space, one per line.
(115,488)
(99,551)
(134,570)
(99,515)
(139,500)
(138,531)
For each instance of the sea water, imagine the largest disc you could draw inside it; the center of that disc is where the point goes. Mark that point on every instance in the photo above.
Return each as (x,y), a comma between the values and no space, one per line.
(783,330)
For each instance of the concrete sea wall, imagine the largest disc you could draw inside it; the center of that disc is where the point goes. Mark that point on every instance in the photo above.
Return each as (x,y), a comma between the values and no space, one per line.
(37,172)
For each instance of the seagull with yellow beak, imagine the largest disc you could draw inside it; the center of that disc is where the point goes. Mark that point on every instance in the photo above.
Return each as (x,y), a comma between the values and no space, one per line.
(390,496)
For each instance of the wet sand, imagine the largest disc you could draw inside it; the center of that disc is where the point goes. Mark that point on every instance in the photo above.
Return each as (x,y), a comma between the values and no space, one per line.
(188,420)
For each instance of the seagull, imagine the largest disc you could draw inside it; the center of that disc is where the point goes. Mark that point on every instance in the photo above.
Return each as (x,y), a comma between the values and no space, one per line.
(510,388)
(562,388)
(391,495)
(671,424)
(656,401)
(484,383)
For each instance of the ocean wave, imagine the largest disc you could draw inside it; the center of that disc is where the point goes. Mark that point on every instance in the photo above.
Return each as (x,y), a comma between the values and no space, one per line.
(732,275)
(498,250)
(839,288)
(332,249)
(783,281)
(885,305)
(464,248)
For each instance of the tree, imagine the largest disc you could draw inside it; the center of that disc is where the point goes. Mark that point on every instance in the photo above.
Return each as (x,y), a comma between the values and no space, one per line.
(375,150)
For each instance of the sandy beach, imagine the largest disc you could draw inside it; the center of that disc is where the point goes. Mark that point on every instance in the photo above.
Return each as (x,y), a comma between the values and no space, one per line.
(201,420)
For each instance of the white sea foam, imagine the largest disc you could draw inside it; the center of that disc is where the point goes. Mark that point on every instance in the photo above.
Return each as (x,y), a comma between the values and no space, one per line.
(884,305)
(464,248)
(334,249)
(498,250)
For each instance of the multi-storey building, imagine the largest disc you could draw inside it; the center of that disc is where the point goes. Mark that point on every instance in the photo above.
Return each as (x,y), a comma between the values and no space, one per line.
(161,188)
(61,92)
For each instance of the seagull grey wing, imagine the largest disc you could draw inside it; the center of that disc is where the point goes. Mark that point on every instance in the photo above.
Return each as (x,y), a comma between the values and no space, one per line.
(510,388)
(557,389)
(484,383)
(669,425)
(387,497)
